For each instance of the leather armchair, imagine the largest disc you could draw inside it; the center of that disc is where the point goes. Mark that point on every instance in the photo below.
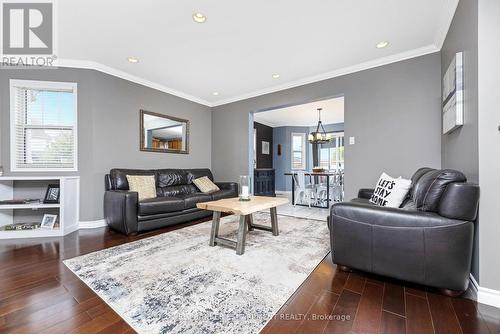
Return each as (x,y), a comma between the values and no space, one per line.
(424,241)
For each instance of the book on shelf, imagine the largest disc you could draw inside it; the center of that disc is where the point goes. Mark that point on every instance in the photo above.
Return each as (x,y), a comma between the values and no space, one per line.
(20,227)
(20,201)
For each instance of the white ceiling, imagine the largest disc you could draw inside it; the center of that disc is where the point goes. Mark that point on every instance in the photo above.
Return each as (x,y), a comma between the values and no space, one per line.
(242,43)
(304,114)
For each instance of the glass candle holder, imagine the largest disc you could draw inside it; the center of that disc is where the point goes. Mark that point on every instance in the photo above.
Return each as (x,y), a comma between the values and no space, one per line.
(244,191)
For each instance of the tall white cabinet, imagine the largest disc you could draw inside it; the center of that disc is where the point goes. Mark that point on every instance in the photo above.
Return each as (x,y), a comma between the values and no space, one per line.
(23,187)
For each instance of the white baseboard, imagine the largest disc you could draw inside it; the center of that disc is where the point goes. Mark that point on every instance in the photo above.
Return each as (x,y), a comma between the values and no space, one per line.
(488,296)
(92,224)
(484,295)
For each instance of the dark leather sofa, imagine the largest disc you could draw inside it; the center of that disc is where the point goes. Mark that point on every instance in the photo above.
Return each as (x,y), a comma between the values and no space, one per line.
(175,202)
(428,240)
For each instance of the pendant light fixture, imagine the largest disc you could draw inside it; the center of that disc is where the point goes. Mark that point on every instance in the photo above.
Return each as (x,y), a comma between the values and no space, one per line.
(319,137)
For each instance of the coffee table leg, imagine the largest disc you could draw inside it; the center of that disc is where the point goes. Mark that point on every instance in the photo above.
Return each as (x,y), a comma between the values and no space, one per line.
(274,221)
(249,220)
(215,228)
(242,231)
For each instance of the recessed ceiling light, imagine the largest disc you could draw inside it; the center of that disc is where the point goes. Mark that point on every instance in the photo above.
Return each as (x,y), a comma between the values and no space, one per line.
(133,60)
(382,44)
(276,76)
(199,17)
(215,93)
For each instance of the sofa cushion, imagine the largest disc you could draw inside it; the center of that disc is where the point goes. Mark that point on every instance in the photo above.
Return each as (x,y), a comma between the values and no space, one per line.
(144,185)
(427,190)
(224,193)
(205,185)
(191,200)
(171,177)
(118,176)
(180,190)
(160,205)
(390,192)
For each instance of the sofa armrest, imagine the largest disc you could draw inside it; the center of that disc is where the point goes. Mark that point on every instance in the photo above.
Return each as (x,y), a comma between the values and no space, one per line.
(120,210)
(365,193)
(228,186)
(391,217)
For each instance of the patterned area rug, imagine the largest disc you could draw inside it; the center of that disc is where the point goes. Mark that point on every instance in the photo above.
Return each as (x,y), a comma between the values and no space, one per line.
(176,283)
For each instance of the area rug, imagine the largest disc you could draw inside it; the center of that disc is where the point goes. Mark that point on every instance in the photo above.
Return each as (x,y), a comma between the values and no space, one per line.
(176,283)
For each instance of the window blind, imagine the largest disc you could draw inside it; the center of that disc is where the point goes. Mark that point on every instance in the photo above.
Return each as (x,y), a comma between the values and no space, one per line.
(44,128)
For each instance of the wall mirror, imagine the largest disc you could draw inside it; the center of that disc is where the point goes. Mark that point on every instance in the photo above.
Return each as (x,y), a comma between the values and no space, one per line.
(162,133)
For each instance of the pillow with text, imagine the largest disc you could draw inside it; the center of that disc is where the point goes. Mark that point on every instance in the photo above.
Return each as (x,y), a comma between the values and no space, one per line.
(390,192)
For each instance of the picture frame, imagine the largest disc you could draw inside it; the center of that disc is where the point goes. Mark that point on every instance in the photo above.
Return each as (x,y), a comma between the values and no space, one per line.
(52,194)
(265,147)
(453,95)
(48,221)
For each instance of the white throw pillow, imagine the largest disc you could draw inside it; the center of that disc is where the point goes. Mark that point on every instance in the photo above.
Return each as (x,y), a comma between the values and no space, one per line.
(390,192)
(205,185)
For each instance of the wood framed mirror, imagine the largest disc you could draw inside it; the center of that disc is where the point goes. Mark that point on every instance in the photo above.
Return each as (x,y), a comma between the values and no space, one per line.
(163,133)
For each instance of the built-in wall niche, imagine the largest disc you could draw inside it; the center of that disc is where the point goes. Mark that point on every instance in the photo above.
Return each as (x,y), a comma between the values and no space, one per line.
(22,203)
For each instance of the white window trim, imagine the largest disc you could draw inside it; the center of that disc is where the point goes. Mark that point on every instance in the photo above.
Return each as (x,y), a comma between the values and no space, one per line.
(336,136)
(304,155)
(40,85)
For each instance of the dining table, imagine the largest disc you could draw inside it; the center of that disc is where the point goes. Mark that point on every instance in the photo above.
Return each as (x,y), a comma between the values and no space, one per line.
(326,174)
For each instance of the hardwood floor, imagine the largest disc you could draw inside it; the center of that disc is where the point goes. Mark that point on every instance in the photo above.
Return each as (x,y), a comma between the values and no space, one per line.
(38,294)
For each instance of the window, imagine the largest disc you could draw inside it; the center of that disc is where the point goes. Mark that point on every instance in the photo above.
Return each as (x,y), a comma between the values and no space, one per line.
(298,151)
(331,155)
(43,128)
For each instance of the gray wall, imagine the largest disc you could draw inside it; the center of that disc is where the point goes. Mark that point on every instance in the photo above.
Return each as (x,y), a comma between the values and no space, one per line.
(108,128)
(283,164)
(460,147)
(393,111)
(489,141)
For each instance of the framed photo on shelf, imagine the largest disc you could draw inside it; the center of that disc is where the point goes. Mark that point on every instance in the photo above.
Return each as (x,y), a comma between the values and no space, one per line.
(48,221)
(52,194)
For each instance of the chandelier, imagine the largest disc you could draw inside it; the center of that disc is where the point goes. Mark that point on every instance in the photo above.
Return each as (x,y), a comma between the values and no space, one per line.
(318,137)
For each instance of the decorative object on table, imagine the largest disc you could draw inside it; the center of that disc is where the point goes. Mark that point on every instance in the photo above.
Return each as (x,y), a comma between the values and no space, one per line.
(390,192)
(244,188)
(319,136)
(205,185)
(162,133)
(265,147)
(453,95)
(19,201)
(52,194)
(21,226)
(318,169)
(48,221)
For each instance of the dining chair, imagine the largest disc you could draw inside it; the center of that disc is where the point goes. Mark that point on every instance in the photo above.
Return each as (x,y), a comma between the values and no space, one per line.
(304,191)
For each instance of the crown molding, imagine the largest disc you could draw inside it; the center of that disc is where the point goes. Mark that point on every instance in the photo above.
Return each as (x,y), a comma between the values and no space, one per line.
(336,73)
(450,7)
(84,64)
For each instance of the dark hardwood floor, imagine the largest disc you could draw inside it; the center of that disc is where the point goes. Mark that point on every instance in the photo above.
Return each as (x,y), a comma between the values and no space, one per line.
(38,294)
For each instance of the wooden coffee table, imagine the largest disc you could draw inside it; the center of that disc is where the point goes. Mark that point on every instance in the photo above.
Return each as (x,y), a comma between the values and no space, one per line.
(244,209)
